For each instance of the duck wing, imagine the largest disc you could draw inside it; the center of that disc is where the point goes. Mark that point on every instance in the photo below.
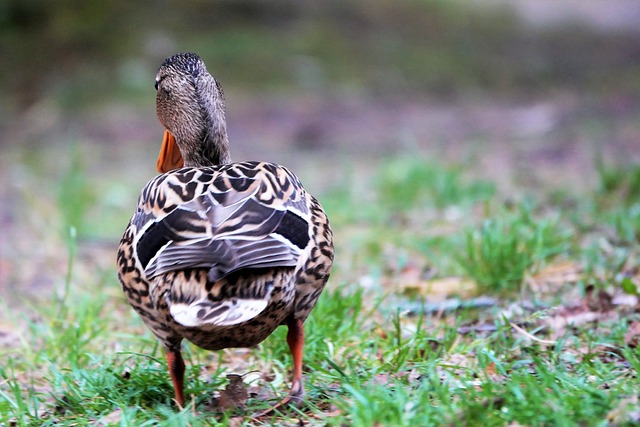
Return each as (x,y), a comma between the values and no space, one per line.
(241,218)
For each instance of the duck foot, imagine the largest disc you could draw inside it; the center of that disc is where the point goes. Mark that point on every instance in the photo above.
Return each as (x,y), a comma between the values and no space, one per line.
(295,398)
(295,339)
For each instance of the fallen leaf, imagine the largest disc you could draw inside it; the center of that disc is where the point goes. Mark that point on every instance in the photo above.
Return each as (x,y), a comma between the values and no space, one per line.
(632,336)
(559,323)
(411,273)
(333,413)
(110,419)
(490,369)
(568,271)
(456,364)
(379,331)
(236,421)
(234,395)
(598,300)
(586,311)
(9,338)
(414,283)
(626,412)
(625,300)
(556,275)
(381,379)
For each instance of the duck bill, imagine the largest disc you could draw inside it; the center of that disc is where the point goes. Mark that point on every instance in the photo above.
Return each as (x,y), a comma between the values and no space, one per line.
(169,157)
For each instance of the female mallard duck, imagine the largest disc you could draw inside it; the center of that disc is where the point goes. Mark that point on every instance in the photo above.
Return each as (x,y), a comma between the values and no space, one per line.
(219,253)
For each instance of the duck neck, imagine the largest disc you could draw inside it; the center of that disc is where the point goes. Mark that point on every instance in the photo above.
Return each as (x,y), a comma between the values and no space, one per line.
(211,146)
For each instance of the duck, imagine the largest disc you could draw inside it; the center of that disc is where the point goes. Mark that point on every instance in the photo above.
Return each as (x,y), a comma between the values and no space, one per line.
(220,253)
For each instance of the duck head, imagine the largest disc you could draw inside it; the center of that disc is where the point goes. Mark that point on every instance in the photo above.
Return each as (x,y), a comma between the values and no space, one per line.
(190,105)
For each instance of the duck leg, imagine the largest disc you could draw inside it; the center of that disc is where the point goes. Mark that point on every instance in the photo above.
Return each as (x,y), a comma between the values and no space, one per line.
(176,371)
(295,339)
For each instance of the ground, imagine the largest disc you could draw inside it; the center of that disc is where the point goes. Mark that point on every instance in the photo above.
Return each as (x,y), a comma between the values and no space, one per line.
(487,244)
(512,148)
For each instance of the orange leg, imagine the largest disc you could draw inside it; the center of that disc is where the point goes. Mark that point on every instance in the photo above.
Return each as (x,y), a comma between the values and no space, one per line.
(176,371)
(295,339)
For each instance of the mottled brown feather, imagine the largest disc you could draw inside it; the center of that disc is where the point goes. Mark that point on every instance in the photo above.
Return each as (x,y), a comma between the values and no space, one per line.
(183,208)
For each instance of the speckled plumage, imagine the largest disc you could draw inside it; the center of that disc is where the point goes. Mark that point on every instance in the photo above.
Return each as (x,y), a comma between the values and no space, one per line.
(220,253)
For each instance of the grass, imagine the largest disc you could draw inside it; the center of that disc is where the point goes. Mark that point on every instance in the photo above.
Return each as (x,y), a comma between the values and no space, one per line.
(505,248)
(410,182)
(551,347)
(84,358)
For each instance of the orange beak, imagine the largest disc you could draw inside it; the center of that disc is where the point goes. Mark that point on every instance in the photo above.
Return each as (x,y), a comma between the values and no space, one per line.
(169,157)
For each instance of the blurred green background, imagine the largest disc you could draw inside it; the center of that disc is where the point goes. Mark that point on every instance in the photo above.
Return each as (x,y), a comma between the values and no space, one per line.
(77,53)
(522,93)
